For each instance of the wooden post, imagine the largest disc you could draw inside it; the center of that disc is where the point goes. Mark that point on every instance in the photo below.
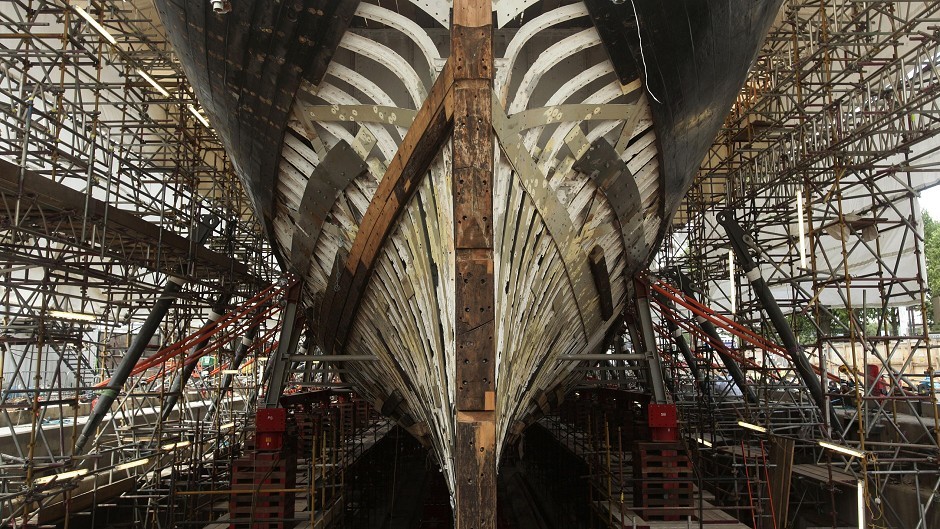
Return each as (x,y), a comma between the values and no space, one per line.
(781,455)
(475,454)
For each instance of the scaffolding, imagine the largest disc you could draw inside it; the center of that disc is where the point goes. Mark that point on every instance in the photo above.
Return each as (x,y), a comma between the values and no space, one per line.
(107,172)
(822,161)
(108,169)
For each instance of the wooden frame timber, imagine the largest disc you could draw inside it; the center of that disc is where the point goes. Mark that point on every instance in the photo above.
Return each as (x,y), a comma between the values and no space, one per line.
(460,100)
(418,149)
(475,458)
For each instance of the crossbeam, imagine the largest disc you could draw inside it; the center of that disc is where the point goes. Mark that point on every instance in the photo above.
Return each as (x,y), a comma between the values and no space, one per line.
(420,146)
(51,196)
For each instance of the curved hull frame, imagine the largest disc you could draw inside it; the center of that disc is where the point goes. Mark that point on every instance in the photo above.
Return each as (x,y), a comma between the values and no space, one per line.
(354,156)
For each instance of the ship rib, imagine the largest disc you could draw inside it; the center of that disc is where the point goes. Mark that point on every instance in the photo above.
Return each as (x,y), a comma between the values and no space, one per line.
(338,117)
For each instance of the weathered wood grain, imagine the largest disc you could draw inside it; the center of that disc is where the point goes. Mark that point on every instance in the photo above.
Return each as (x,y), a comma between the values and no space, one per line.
(472,183)
(420,145)
(476,492)
(601,281)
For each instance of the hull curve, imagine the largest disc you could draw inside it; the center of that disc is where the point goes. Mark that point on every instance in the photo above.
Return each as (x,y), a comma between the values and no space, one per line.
(315,101)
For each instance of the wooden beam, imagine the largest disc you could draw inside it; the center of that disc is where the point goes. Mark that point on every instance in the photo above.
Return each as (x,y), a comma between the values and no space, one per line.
(781,455)
(407,169)
(598,264)
(473,161)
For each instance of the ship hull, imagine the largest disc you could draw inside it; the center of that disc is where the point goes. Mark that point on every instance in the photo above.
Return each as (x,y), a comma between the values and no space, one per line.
(591,155)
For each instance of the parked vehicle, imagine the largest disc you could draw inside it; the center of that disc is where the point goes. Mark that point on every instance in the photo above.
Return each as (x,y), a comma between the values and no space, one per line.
(725,388)
(924,387)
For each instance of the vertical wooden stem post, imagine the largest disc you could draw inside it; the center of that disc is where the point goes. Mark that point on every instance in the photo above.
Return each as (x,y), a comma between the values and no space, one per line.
(475,451)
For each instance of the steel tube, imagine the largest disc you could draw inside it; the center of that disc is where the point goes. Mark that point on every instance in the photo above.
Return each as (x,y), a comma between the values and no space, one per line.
(739,244)
(132,355)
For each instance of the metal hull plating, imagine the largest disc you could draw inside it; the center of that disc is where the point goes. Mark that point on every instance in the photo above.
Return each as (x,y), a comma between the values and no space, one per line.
(314,100)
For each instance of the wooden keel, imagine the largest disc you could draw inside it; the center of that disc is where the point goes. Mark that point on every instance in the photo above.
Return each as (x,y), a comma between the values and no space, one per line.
(459,227)
(475,458)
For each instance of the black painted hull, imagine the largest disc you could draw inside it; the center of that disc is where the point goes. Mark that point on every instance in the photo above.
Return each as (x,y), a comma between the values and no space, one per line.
(296,96)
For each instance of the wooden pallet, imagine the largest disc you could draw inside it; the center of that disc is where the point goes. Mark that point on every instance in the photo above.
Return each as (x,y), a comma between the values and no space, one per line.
(268,475)
(663,480)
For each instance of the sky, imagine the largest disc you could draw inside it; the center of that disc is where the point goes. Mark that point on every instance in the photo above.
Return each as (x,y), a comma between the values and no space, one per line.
(930,202)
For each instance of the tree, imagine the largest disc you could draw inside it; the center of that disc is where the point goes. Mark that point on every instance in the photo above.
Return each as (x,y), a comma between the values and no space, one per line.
(932,255)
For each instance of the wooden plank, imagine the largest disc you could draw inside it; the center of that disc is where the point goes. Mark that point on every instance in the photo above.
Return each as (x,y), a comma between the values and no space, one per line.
(472,176)
(476,492)
(474,305)
(473,166)
(402,178)
(781,455)
(612,176)
(821,473)
(476,350)
(601,280)
(326,182)
(474,14)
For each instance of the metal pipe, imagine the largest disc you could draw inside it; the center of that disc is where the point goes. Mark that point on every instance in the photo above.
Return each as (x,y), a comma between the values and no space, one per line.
(108,395)
(740,244)
(601,357)
(333,358)
(637,344)
(682,345)
(734,370)
(737,374)
(620,365)
(279,363)
(240,353)
(658,378)
(182,377)
(237,491)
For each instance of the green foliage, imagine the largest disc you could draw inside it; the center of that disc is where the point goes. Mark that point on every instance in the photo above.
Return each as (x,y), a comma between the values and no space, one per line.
(932,253)
(877,322)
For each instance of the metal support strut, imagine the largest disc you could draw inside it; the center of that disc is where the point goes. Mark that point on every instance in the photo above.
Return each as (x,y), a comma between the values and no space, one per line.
(657,375)
(160,308)
(278,367)
(683,347)
(182,377)
(240,353)
(279,364)
(740,242)
(737,375)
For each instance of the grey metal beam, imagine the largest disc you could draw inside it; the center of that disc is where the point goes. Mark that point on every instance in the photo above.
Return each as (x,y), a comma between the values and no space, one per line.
(731,365)
(601,357)
(737,374)
(240,353)
(182,376)
(686,353)
(333,358)
(132,355)
(278,368)
(637,342)
(740,243)
(657,378)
